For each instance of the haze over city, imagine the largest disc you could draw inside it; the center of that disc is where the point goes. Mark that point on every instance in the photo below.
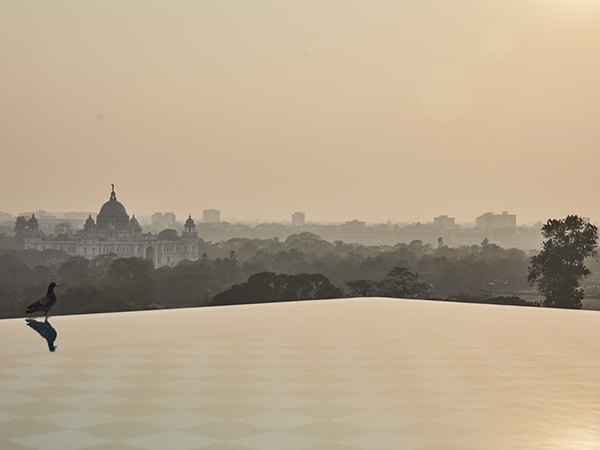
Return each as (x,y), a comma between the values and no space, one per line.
(341,109)
(316,225)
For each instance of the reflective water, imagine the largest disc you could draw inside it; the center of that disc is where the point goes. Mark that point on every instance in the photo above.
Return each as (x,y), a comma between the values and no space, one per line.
(347,374)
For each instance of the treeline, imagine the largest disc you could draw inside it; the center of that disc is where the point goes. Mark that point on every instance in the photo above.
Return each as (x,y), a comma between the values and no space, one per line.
(303,266)
(478,269)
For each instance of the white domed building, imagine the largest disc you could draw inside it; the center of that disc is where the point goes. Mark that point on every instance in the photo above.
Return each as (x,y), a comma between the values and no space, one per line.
(114,232)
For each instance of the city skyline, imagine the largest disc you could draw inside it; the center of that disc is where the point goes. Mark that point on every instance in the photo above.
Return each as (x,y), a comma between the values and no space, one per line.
(200,216)
(397,111)
(392,216)
(116,231)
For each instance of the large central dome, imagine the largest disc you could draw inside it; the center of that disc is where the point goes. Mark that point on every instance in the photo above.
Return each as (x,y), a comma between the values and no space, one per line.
(112,218)
(112,207)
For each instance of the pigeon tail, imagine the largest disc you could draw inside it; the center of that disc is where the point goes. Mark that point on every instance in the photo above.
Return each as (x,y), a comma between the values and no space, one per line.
(34,307)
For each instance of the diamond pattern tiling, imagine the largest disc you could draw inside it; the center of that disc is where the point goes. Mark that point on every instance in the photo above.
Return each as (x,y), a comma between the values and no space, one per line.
(226,430)
(61,440)
(277,440)
(355,374)
(172,440)
(277,420)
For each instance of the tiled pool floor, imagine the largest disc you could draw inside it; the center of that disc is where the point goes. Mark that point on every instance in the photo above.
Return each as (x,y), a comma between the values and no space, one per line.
(339,375)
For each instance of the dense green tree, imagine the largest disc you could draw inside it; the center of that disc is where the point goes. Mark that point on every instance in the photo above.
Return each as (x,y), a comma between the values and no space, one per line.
(420,249)
(488,299)
(260,288)
(134,278)
(559,268)
(195,284)
(7,242)
(311,286)
(89,299)
(42,275)
(102,263)
(226,271)
(75,271)
(401,282)
(48,257)
(267,287)
(309,242)
(362,288)
(168,235)
(135,272)
(13,270)
(20,231)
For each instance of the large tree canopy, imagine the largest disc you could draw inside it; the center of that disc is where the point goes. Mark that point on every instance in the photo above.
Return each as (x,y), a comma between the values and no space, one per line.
(266,287)
(401,282)
(559,268)
(168,235)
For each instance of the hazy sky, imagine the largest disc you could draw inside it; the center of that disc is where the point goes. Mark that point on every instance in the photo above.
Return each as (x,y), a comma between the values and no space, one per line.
(371,110)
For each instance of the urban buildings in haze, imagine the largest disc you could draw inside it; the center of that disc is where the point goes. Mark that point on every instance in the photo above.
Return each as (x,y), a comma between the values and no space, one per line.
(53,231)
(445,222)
(298,218)
(163,221)
(57,222)
(491,221)
(211,216)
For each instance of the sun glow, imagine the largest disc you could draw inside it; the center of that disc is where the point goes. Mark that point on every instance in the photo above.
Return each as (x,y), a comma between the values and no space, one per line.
(575,5)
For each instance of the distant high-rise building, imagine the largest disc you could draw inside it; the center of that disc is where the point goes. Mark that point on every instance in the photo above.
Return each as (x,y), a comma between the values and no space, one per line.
(6,217)
(163,220)
(298,218)
(356,231)
(170,218)
(211,216)
(491,221)
(444,222)
(157,220)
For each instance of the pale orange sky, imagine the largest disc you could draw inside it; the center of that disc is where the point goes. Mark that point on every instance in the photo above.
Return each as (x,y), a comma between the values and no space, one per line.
(371,110)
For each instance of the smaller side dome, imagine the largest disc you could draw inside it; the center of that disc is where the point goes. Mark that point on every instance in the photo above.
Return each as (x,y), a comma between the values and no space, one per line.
(32,219)
(190,228)
(89,221)
(133,221)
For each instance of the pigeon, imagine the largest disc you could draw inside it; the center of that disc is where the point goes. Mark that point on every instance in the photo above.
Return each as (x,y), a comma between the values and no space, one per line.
(45,330)
(45,303)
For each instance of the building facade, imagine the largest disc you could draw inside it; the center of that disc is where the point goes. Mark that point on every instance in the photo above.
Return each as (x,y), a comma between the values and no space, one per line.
(114,232)
(298,218)
(163,220)
(444,222)
(211,216)
(491,221)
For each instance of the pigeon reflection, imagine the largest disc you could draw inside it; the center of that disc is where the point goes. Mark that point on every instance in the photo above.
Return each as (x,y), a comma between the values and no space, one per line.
(45,330)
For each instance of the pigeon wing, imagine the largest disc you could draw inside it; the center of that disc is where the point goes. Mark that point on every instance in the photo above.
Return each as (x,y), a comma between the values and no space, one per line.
(41,328)
(40,305)
(45,330)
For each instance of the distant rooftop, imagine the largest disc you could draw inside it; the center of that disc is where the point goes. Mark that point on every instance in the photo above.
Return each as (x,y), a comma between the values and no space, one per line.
(326,375)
